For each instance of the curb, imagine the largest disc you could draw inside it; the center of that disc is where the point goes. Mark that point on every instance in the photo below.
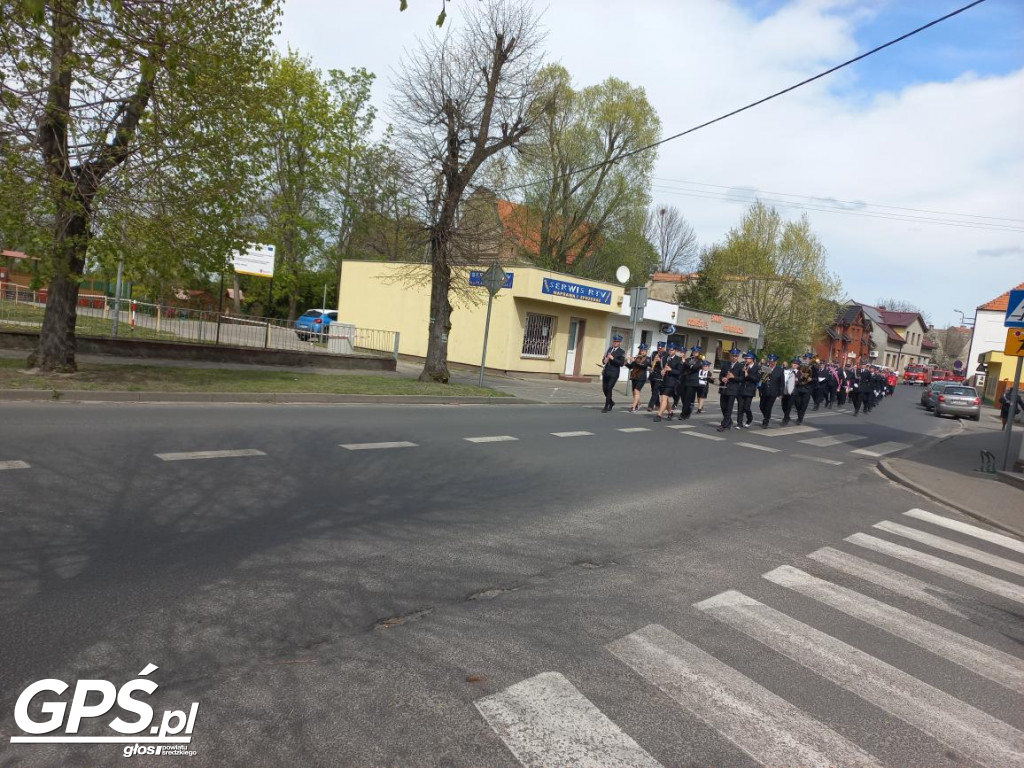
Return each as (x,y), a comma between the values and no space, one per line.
(278,398)
(897,477)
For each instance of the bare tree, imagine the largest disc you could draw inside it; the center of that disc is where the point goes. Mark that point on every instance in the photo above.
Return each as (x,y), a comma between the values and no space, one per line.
(902,305)
(673,238)
(460,101)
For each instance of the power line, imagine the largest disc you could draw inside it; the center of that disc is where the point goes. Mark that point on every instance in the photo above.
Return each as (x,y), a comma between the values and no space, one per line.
(868,214)
(819,199)
(753,104)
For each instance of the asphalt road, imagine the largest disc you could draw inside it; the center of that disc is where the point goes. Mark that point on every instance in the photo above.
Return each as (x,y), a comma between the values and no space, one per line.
(463,603)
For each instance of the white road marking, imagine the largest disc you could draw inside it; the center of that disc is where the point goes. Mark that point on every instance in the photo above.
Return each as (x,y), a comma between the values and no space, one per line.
(765,726)
(784,431)
(759,447)
(975,734)
(680,426)
(14,464)
(971,530)
(822,415)
(894,581)
(702,436)
(209,454)
(1001,668)
(377,446)
(818,459)
(955,571)
(937,542)
(882,449)
(830,440)
(492,439)
(545,721)
(572,434)
(635,429)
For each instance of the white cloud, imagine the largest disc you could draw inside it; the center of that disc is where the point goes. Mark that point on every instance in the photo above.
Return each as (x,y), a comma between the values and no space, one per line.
(946,146)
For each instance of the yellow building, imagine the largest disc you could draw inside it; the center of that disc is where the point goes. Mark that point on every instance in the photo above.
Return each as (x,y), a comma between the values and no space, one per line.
(999,372)
(541,322)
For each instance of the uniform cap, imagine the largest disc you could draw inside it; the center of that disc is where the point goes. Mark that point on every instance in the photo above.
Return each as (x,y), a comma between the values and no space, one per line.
(616,338)
(749,356)
(773,358)
(734,351)
(706,363)
(661,344)
(696,348)
(796,360)
(643,347)
(672,345)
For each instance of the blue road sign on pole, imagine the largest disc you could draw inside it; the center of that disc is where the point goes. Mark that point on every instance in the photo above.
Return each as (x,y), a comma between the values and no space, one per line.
(1015,310)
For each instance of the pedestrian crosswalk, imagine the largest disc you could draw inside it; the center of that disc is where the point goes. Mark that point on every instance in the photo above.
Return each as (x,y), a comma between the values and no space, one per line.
(546,720)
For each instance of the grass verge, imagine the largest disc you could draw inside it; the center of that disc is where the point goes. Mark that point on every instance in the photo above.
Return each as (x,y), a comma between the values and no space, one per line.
(152,378)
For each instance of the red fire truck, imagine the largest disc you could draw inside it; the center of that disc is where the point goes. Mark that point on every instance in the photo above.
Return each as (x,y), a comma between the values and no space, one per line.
(917,374)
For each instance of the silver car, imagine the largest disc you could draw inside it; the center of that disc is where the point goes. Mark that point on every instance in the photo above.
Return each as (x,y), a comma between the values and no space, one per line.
(958,401)
(930,392)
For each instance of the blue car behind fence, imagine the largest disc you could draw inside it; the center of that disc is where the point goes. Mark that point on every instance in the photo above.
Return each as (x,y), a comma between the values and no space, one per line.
(315,322)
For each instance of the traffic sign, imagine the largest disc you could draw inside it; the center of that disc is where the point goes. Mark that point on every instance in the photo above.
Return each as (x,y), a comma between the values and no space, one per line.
(1015,310)
(493,279)
(958,365)
(1014,342)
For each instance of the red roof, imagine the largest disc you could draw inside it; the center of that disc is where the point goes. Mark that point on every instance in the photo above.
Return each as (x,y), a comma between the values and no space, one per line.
(672,277)
(928,344)
(893,336)
(1000,303)
(900,319)
(524,225)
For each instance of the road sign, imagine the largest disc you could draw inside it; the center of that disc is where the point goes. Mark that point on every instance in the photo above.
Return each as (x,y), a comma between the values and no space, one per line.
(637,302)
(493,279)
(1014,342)
(958,365)
(1015,310)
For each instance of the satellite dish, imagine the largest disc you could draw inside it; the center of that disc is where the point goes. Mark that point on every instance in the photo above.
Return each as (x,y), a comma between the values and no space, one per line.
(622,274)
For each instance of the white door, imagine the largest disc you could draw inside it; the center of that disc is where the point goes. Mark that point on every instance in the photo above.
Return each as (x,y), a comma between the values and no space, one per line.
(570,355)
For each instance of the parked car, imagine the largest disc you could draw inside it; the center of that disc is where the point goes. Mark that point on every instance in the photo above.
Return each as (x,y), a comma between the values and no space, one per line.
(954,400)
(931,392)
(917,374)
(315,322)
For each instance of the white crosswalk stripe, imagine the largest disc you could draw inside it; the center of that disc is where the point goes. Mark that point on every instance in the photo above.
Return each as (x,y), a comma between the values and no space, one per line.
(937,542)
(189,455)
(492,439)
(992,663)
(894,581)
(578,433)
(377,446)
(680,426)
(765,726)
(829,440)
(14,464)
(955,571)
(882,449)
(785,431)
(963,728)
(971,530)
(819,459)
(545,721)
(764,448)
(702,436)
(635,429)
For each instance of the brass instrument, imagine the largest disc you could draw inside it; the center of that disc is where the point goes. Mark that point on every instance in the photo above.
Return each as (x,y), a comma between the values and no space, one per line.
(805,375)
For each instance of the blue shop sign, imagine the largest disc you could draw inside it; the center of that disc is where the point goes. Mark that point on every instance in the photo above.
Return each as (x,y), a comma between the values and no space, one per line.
(476,277)
(576,291)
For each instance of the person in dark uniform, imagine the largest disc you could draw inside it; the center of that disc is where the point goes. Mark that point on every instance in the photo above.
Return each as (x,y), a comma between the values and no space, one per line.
(730,380)
(817,381)
(691,381)
(655,376)
(844,385)
(831,385)
(802,390)
(790,370)
(748,388)
(671,369)
(867,389)
(856,395)
(704,377)
(613,361)
(771,389)
(638,368)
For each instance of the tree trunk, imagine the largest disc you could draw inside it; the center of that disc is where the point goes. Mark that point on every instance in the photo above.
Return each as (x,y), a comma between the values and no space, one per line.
(237,297)
(56,349)
(435,367)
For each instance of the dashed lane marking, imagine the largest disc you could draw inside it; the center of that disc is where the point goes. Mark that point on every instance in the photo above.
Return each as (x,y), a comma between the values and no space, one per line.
(818,459)
(14,465)
(635,429)
(680,426)
(829,440)
(702,436)
(759,447)
(188,455)
(882,449)
(377,446)
(492,439)
(572,434)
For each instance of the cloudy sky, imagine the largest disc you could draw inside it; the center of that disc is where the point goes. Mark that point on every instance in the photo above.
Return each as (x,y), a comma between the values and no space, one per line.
(927,131)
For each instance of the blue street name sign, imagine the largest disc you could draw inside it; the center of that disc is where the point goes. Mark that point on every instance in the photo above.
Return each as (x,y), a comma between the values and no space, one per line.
(576,291)
(476,277)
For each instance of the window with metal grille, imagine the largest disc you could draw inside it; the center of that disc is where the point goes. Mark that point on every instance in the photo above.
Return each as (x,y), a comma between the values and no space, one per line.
(537,336)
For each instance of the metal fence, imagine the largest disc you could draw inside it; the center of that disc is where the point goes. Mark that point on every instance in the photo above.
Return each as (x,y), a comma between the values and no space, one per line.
(21,307)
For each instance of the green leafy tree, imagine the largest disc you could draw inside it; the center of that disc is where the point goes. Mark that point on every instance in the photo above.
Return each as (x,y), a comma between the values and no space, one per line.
(109,107)
(706,290)
(583,184)
(773,272)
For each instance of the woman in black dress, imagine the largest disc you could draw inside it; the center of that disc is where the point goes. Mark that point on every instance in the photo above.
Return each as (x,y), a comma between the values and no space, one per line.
(638,368)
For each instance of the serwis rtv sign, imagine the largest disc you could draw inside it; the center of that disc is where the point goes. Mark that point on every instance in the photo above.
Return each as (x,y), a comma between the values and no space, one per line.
(57,722)
(576,291)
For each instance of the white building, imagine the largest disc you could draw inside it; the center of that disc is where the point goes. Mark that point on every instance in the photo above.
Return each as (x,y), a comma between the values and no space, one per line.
(989,332)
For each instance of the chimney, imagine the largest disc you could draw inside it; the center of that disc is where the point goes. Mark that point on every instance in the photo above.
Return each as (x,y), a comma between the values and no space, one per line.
(882,308)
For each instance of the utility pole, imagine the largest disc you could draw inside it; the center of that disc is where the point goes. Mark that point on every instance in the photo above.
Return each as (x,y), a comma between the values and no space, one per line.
(117,295)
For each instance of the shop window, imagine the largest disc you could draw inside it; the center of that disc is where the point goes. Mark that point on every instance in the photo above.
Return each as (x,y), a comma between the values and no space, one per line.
(537,336)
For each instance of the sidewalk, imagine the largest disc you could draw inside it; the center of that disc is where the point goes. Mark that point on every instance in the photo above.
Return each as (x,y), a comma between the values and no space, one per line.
(537,389)
(949,472)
